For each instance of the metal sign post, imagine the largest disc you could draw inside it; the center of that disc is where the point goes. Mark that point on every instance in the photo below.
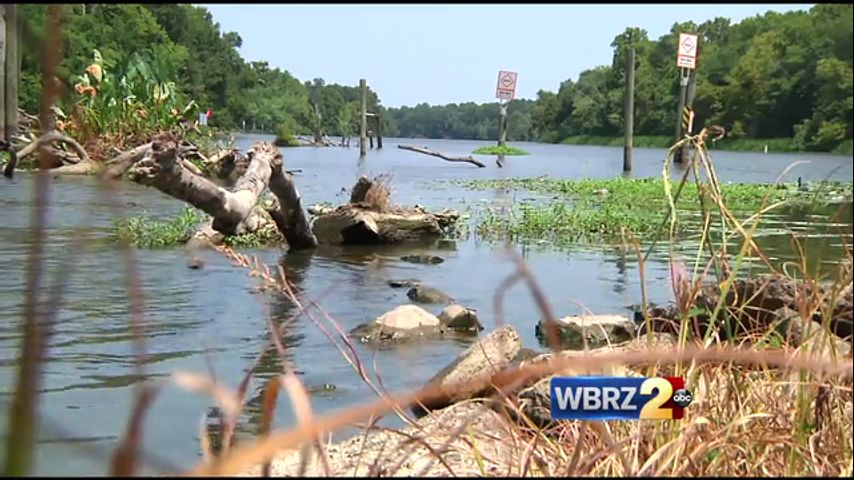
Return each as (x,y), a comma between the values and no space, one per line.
(686,60)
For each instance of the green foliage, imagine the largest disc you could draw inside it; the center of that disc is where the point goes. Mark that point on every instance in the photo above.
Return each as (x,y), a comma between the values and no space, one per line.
(595,209)
(769,77)
(145,231)
(261,238)
(134,98)
(285,134)
(499,150)
(183,43)
(466,120)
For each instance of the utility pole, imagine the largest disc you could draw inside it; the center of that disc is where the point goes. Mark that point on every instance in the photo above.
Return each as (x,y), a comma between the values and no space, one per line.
(629,111)
(363,124)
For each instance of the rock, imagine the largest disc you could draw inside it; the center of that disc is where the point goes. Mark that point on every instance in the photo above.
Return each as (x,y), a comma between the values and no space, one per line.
(403,283)
(427,259)
(404,323)
(597,330)
(765,295)
(425,294)
(798,332)
(491,354)
(458,317)
(534,397)
(524,355)
(195,263)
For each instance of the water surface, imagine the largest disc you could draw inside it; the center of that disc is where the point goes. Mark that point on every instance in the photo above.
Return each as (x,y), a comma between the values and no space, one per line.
(190,315)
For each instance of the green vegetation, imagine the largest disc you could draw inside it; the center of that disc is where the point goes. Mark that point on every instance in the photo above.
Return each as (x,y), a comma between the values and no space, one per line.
(466,120)
(285,134)
(144,231)
(594,209)
(662,141)
(188,54)
(499,150)
(770,77)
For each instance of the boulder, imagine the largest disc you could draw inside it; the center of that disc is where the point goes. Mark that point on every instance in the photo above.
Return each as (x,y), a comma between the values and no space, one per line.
(458,317)
(596,330)
(404,323)
(425,294)
(798,332)
(492,354)
(534,397)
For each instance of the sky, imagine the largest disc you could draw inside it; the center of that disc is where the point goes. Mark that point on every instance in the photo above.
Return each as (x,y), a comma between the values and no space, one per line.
(451,53)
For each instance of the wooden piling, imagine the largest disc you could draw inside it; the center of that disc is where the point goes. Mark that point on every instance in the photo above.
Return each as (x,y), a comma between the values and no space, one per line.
(3,14)
(688,152)
(683,84)
(629,112)
(502,124)
(379,131)
(363,124)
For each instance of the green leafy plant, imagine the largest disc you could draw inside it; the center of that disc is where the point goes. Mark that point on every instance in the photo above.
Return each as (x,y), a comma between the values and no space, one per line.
(499,150)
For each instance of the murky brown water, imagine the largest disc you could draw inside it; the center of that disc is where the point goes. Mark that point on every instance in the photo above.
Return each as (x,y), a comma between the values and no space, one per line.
(87,384)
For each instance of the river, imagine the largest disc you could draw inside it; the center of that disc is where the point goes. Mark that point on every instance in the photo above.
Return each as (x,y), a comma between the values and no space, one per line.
(87,385)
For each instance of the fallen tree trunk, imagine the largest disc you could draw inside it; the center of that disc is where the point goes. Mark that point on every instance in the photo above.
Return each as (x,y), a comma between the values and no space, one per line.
(290,217)
(362,222)
(234,209)
(427,151)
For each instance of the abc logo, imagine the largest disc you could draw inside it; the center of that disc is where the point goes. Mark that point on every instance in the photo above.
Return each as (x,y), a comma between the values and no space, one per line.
(682,397)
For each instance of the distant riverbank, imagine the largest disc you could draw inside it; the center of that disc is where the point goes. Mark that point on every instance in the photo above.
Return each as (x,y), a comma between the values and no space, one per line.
(777,145)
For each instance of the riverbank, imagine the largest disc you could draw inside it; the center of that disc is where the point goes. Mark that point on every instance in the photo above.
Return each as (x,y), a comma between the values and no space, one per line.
(775,145)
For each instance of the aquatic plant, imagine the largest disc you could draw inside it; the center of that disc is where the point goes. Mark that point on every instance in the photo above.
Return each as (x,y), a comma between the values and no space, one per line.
(499,150)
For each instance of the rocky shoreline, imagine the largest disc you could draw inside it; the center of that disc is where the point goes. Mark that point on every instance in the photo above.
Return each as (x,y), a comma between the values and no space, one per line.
(490,426)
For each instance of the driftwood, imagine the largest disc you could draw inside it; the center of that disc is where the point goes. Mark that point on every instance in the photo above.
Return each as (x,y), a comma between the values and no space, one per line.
(234,209)
(42,142)
(359,222)
(117,166)
(427,151)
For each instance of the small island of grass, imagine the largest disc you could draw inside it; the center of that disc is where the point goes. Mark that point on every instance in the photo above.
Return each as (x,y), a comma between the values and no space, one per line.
(499,150)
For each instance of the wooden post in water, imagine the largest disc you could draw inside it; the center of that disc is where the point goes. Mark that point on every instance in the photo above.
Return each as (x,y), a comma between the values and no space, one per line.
(4,9)
(683,84)
(502,123)
(687,152)
(363,126)
(379,130)
(629,112)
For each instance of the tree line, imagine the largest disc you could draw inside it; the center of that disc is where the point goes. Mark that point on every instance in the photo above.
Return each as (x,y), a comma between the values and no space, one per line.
(777,75)
(183,43)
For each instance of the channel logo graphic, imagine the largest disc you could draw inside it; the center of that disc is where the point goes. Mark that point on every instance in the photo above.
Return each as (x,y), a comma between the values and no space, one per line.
(618,398)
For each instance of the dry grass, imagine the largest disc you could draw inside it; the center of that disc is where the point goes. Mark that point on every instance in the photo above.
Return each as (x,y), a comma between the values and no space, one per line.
(378,196)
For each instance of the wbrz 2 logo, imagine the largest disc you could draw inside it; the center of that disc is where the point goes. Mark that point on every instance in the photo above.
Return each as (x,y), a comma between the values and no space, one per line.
(618,398)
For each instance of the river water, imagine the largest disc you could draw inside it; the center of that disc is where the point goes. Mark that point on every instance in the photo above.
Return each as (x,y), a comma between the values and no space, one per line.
(87,384)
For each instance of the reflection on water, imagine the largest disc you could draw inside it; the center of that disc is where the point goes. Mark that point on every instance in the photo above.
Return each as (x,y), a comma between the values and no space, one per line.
(193,317)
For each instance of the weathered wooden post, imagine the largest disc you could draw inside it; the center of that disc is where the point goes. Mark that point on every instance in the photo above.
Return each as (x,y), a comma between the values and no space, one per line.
(11,58)
(379,131)
(688,117)
(502,124)
(629,111)
(3,14)
(363,124)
